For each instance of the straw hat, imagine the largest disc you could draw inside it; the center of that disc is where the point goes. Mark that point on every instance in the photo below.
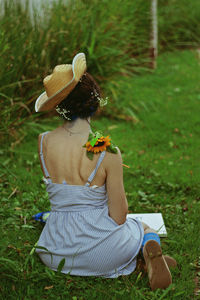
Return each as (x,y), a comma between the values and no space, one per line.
(60,83)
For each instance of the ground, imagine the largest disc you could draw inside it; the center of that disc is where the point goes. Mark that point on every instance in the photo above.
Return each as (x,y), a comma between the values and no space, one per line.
(161,147)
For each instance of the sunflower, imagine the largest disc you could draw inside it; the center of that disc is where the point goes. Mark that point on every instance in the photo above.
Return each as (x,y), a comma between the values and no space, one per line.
(101,144)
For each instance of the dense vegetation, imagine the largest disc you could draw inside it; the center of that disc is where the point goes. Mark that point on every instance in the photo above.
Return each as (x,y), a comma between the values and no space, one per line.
(154,121)
(116,42)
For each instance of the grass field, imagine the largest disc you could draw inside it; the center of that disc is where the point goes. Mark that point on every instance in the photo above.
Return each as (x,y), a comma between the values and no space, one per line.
(162,149)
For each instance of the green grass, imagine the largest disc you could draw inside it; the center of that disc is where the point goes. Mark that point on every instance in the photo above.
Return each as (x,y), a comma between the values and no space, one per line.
(162,150)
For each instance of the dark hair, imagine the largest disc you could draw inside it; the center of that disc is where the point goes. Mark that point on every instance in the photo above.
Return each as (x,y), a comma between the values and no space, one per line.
(83,101)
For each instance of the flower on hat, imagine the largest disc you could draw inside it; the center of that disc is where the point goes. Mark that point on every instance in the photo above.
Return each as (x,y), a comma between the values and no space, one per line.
(98,143)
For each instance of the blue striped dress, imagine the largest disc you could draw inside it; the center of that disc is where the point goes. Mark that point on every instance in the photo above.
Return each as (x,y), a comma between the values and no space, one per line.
(80,230)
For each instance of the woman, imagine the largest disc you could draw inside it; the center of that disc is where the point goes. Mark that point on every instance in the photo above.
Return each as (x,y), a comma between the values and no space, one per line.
(87,226)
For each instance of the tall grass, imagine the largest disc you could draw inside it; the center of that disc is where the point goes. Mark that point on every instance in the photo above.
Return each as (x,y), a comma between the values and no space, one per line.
(108,35)
(113,34)
(105,30)
(179,24)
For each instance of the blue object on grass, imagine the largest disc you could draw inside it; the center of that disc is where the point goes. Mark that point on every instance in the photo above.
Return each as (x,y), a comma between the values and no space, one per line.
(150,236)
(42,216)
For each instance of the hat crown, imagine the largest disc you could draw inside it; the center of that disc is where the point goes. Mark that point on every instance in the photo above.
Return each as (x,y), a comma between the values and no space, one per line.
(62,74)
(60,83)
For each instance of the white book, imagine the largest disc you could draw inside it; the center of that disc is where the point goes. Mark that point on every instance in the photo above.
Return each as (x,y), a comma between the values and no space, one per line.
(153,220)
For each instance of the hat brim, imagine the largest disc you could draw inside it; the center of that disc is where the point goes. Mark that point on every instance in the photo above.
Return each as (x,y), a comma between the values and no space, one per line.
(45,103)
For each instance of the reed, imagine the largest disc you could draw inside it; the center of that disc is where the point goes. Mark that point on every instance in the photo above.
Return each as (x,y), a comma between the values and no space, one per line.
(105,30)
(179,24)
(115,38)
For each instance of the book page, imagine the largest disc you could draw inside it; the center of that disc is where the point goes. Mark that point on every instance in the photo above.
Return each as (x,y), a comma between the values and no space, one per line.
(153,220)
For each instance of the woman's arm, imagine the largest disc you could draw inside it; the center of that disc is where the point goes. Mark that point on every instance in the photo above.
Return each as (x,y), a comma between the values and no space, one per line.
(117,203)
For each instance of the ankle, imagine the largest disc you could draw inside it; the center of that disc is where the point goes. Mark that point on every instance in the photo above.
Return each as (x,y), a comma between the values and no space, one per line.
(149,237)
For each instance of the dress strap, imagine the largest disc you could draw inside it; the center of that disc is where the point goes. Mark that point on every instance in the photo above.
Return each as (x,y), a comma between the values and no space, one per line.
(92,175)
(46,173)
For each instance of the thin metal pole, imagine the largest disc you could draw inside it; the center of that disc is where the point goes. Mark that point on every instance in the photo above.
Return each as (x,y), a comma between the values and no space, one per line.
(154,34)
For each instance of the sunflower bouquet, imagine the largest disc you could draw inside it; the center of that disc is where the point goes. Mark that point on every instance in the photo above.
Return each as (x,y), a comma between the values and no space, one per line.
(98,143)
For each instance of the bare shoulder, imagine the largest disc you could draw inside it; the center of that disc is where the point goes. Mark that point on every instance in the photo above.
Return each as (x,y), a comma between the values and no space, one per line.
(113,159)
(47,133)
(40,136)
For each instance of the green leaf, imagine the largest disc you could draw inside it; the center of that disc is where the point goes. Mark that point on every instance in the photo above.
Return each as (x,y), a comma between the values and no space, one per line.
(112,149)
(33,249)
(50,273)
(61,265)
(42,248)
(93,141)
(8,261)
(91,136)
(90,155)
(98,134)
(28,226)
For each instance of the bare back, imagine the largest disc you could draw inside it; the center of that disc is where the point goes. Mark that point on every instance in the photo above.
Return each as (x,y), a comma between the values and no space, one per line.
(66,159)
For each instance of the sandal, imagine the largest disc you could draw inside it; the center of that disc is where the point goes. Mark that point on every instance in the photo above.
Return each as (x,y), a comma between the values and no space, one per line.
(171,263)
(157,267)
